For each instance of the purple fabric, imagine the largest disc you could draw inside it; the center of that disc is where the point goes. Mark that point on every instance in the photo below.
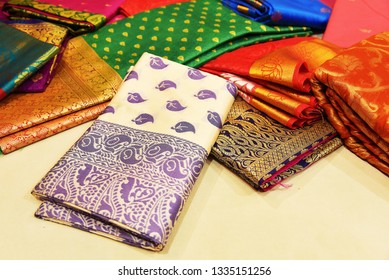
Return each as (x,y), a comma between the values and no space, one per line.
(62,215)
(136,165)
(140,179)
(40,80)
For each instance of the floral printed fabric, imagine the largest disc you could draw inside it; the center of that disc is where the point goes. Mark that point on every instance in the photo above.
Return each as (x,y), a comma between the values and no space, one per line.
(136,165)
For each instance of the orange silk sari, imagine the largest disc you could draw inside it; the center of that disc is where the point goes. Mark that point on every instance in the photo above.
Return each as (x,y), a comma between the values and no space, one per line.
(353,89)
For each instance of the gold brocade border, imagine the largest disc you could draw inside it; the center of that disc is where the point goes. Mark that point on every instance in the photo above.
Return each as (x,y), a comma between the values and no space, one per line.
(82,80)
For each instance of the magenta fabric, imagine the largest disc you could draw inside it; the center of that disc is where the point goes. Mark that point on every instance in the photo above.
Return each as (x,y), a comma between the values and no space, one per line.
(109,8)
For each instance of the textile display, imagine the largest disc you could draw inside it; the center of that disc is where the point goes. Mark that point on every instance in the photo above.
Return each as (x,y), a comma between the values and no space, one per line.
(135,166)
(21,56)
(82,80)
(78,16)
(190,33)
(366,19)
(263,152)
(48,33)
(353,90)
(274,77)
(311,13)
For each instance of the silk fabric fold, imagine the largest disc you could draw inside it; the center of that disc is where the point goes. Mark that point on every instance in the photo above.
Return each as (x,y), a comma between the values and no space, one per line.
(20,57)
(275,77)
(263,152)
(353,90)
(190,33)
(78,16)
(311,13)
(48,33)
(352,21)
(134,168)
(82,80)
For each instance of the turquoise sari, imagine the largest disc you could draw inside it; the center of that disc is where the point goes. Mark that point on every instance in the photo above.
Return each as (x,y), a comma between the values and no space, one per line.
(20,56)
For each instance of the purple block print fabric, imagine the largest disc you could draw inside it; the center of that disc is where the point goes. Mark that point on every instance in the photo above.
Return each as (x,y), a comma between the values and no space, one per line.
(134,168)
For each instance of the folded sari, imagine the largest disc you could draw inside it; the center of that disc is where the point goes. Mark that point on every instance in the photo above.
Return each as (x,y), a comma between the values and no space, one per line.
(264,152)
(274,77)
(311,13)
(38,132)
(78,16)
(190,33)
(284,108)
(21,56)
(353,88)
(358,19)
(48,33)
(134,168)
(132,7)
(82,80)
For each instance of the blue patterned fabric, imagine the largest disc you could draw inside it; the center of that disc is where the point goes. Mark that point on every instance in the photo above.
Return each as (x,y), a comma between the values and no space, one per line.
(310,13)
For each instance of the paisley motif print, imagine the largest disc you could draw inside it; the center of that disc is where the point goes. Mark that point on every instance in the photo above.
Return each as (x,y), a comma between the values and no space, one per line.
(136,178)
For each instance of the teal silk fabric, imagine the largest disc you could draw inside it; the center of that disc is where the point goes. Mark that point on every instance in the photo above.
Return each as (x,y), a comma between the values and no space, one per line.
(20,56)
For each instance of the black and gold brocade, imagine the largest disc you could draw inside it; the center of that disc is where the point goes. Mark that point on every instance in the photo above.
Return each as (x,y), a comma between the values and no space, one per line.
(264,152)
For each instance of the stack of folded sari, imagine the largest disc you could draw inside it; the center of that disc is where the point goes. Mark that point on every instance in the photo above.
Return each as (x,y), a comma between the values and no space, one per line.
(353,89)
(274,77)
(83,82)
(277,129)
(93,64)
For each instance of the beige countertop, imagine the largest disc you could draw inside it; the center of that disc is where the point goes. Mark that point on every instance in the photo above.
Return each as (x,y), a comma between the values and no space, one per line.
(336,209)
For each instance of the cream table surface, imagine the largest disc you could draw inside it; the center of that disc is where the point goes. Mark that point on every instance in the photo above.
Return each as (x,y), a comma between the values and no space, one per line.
(336,209)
